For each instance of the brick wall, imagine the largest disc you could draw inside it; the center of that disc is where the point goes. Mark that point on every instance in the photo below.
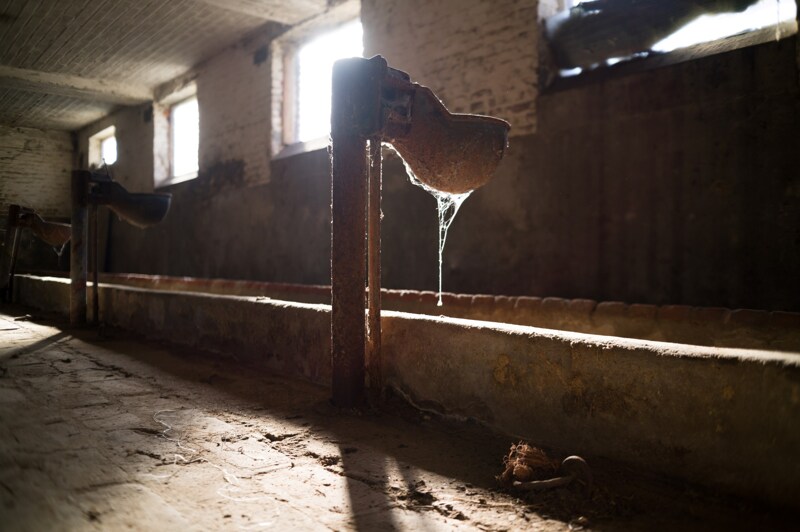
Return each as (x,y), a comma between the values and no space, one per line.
(233,92)
(477,56)
(35,168)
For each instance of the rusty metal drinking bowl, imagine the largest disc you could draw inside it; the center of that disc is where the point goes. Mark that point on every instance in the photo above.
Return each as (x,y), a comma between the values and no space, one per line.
(453,153)
(139,209)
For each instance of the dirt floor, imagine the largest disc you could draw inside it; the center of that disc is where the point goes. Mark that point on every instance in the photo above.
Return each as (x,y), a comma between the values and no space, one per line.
(100,431)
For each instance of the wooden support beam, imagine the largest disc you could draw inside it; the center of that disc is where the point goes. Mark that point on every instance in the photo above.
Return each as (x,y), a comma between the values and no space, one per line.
(99,90)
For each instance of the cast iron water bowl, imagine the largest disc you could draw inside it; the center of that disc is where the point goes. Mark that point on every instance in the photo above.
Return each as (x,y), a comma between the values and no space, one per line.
(453,153)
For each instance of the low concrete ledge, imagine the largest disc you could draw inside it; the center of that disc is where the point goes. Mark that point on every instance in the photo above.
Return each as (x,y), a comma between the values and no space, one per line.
(287,338)
(717,327)
(727,418)
(47,293)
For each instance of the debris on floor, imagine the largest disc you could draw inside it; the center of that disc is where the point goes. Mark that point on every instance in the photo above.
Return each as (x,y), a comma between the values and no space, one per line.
(524,463)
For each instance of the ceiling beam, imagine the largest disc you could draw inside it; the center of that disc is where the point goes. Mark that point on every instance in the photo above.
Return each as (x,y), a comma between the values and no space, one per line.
(276,10)
(99,90)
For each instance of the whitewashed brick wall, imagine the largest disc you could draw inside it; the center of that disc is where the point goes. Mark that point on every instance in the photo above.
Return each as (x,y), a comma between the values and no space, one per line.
(35,170)
(478,56)
(233,93)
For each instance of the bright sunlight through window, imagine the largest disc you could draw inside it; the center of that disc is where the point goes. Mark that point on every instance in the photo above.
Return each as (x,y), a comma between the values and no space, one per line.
(315,66)
(103,147)
(709,28)
(185,139)
(108,150)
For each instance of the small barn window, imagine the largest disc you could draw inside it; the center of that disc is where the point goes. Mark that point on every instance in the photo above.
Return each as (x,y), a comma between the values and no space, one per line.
(103,147)
(314,67)
(184,140)
(108,149)
(302,66)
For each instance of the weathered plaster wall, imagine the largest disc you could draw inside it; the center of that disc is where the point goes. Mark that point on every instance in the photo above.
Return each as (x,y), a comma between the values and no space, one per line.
(277,231)
(233,94)
(677,185)
(672,186)
(35,168)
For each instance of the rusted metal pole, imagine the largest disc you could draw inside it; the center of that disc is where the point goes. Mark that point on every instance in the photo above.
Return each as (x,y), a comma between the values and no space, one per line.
(374,269)
(78,256)
(14,255)
(354,118)
(10,250)
(95,239)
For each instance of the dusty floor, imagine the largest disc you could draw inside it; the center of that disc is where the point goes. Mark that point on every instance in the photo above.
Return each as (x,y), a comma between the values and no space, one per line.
(106,432)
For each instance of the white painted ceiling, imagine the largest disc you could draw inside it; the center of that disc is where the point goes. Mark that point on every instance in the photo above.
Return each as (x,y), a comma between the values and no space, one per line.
(67,63)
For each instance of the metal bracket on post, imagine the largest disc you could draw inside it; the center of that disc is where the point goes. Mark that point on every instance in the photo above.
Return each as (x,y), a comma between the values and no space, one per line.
(88,188)
(53,233)
(370,103)
(10,250)
(78,257)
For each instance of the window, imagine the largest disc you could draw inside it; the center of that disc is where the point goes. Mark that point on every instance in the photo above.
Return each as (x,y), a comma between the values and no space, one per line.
(314,69)
(594,34)
(108,149)
(184,140)
(103,147)
(712,27)
(302,65)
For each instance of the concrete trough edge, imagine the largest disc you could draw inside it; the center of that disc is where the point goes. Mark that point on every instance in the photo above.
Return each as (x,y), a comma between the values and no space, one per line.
(726,418)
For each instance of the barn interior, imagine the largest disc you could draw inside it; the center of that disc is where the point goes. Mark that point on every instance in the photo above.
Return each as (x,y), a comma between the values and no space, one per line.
(623,288)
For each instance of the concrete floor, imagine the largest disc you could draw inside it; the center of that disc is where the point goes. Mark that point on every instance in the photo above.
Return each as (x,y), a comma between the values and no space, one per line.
(101,431)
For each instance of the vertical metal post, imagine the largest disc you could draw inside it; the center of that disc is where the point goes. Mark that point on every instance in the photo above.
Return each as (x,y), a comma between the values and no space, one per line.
(94,241)
(14,255)
(355,116)
(78,254)
(10,249)
(374,269)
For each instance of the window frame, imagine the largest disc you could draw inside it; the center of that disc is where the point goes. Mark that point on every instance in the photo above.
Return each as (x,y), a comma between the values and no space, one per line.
(96,146)
(552,79)
(172,177)
(285,71)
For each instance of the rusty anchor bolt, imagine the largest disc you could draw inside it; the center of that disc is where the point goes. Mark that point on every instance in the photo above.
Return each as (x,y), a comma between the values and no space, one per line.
(573,468)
